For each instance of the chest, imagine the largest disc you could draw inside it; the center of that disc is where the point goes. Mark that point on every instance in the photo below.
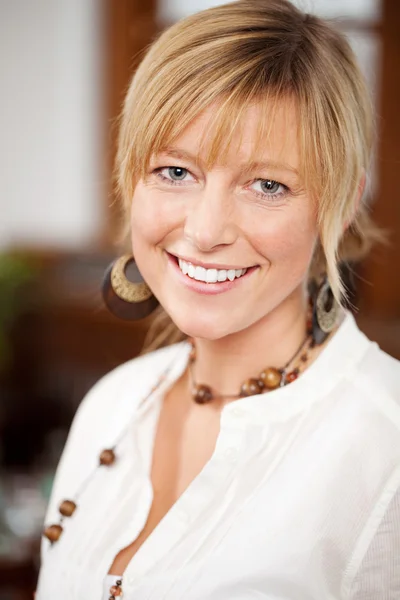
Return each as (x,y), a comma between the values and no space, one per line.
(184,443)
(231,534)
(265,509)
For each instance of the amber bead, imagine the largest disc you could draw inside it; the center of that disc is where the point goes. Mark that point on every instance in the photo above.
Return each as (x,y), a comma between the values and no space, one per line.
(67,508)
(292,376)
(107,457)
(115,591)
(202,394)
(271,378)
(251,387)
(53,533)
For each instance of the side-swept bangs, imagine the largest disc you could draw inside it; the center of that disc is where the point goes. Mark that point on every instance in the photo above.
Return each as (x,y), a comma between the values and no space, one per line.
(263,52)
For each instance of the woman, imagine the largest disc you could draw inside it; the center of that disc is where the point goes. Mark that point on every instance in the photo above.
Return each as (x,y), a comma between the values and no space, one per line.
(260,456)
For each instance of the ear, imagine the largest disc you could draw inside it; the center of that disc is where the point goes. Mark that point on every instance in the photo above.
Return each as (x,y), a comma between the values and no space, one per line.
(357,201)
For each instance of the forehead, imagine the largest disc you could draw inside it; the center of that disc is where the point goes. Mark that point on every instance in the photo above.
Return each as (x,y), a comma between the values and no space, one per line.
(261,132)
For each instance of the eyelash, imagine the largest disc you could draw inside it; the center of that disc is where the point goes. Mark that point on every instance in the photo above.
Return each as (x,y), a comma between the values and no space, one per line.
(260,195)
(167,179)
(277,196)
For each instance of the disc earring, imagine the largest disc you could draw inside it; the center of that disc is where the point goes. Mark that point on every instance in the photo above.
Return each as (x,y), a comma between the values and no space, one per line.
(124,298)
(325,312)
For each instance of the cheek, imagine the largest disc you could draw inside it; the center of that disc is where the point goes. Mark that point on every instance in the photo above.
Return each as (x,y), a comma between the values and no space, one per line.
(151,216)
(287,240)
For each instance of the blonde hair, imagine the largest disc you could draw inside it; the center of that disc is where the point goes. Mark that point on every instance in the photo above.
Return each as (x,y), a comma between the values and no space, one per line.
(254,51)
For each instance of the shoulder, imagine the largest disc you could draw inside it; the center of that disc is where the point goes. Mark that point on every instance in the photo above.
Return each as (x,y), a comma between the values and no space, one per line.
(104,412)
(377,378)
(115,397)
(365,397)
(127,383)
(369,397)
(362,366)
(373,386)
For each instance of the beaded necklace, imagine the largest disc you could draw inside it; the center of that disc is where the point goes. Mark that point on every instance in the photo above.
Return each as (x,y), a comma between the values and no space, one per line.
(269,379)
(106,459)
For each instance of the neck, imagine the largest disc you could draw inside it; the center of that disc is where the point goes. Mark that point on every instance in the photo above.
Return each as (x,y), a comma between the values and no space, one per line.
(224,364)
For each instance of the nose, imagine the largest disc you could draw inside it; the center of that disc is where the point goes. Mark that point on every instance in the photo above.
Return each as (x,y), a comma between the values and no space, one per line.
(210,220)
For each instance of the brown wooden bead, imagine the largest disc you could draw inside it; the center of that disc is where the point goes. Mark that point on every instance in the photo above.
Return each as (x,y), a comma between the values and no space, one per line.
(271,378)
(292,376)
(107,457)
(251,387)
(202,394)
(53,533)
(67,508)
(115,591)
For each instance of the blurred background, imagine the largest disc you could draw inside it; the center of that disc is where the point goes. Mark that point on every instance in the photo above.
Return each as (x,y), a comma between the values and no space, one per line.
(65,65)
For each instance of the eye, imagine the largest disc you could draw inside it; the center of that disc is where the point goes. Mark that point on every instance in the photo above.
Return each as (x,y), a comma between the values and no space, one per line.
(269,188)
(174,174)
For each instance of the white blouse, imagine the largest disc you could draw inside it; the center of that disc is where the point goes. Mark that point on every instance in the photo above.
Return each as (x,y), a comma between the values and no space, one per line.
(300,499)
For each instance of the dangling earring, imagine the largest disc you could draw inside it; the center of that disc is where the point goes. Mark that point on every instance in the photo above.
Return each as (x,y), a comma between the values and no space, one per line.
(123,298)
(325,311)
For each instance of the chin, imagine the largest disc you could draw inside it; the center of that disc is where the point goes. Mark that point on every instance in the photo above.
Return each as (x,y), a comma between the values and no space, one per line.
(202,325)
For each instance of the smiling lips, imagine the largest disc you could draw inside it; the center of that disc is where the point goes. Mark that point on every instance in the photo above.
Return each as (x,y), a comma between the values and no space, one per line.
(209,275)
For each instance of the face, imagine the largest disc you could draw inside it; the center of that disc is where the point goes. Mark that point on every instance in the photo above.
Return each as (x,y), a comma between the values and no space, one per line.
(225,247)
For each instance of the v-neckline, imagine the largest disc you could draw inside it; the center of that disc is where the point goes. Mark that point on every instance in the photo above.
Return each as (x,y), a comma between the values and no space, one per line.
(188,506)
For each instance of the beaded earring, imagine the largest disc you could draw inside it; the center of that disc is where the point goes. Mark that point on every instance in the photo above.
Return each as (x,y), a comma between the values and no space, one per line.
(123,298)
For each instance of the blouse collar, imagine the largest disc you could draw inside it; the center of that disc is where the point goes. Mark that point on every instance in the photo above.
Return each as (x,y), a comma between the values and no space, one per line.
(336,361)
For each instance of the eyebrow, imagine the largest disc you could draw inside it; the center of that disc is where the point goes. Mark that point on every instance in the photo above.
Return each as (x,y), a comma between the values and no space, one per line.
(269,164)
(183,154)
(251,166)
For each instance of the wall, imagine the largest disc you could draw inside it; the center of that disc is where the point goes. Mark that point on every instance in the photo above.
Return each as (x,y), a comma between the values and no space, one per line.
(172,10)
(51,146)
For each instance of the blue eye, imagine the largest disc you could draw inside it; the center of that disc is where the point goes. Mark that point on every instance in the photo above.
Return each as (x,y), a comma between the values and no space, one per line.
(174,175)
(177,173)
(269,188)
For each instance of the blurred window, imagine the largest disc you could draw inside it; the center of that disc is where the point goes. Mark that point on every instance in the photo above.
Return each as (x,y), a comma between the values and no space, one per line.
(368,11)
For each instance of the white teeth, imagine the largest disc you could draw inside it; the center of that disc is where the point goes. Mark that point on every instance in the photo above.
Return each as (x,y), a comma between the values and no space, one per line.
(212,276)
(183,266)
(222,275)
(209,275)
(200,274)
